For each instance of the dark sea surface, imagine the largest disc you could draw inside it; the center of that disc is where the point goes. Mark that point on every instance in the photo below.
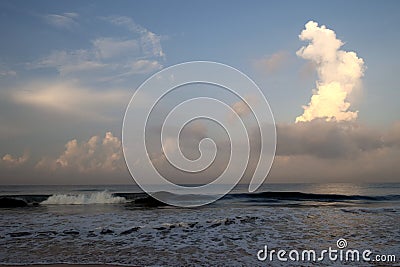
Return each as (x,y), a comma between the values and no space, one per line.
(120,224)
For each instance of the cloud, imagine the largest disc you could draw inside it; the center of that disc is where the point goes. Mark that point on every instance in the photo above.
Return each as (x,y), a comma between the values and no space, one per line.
(273,63)
(241,108)
(8,73)
(327,140)
(11,161)
(5,71)
(109,58)
(71,99)
(317,151)
(69,62)
(110,47)
(392,136)
(63,21)
(7,130)
(339,73)
(379,165)
(97,155)
(321,151)
(145,66)
(150,42)
(189,140)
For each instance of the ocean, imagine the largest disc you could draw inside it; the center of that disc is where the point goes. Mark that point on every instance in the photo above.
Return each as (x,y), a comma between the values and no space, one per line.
(119,224)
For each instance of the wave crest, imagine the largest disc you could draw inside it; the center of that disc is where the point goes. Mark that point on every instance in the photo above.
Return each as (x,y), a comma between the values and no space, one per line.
(83,199)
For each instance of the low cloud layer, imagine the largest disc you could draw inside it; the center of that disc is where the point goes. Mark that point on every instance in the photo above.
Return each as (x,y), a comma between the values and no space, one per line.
(317,151)
(321,151)
(327,140)
(339,73)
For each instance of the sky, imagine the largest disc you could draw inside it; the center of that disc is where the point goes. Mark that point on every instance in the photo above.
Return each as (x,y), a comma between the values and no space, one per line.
(328,70)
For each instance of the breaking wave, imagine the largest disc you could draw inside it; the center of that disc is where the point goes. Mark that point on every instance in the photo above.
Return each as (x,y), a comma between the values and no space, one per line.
(83,199)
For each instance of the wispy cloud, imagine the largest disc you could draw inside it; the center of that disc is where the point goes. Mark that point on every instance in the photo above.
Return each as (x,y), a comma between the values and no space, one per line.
(107,47)
(64,21)
(71,99)
(8,73)
(69,62)
(108,58)
(144,66)
(272,63)
(150,42)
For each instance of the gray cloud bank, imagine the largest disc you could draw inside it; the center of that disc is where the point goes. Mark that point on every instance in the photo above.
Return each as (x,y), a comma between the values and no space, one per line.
(320,151)
(316,151)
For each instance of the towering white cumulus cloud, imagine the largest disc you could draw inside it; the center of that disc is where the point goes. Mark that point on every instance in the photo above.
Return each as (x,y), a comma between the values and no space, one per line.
(339,72)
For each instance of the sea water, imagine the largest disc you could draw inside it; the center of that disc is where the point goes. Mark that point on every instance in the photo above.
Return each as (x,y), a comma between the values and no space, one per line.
(119,224)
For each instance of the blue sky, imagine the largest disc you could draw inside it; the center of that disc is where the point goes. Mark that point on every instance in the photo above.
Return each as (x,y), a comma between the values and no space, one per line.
(103,50)
(234,33)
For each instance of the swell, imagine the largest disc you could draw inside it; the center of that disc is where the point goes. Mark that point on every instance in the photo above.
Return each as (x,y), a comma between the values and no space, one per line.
(299,196)
(278,198)
(105,197)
